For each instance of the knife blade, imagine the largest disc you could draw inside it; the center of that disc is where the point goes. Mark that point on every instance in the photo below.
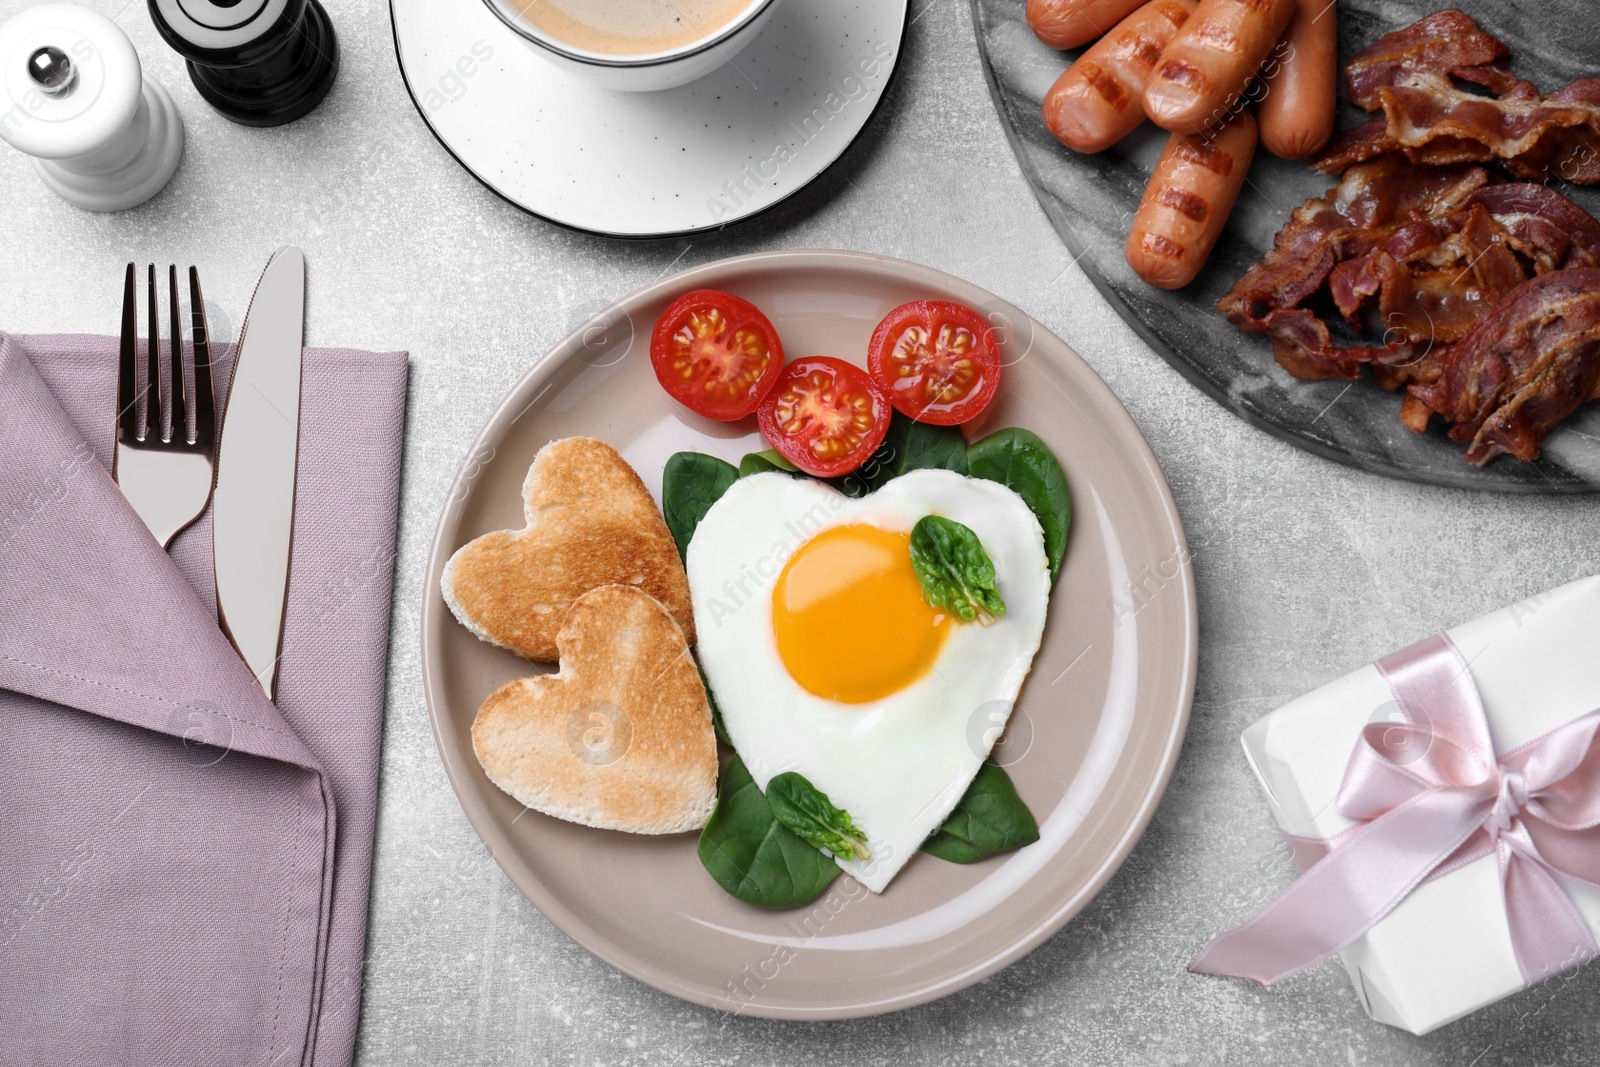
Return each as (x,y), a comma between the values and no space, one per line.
(253,504)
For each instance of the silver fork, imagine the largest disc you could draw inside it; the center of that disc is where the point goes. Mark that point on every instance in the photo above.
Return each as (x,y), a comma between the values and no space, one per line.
(166,476)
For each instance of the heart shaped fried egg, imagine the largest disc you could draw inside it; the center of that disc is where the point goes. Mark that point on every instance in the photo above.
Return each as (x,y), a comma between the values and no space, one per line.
(825,657)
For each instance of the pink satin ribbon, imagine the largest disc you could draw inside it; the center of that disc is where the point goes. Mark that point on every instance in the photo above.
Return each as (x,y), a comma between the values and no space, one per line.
(1429,796)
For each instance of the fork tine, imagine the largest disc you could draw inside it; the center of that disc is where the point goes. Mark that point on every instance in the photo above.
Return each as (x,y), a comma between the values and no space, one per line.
(152,393)
(180,404)
(204,397)
(128,361)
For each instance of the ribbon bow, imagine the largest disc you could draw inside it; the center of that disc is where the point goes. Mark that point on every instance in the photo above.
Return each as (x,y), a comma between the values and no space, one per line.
(1429,796)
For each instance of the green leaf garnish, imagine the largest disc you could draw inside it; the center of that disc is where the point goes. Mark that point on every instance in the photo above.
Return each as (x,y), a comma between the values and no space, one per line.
(1017,459)
(806,810)
(763,462)
(990,819)
(755,857)
(690,483)
(954,571)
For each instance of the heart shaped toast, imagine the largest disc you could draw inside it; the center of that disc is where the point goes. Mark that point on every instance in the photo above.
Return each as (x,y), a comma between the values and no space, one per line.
(590,522)
(621,737)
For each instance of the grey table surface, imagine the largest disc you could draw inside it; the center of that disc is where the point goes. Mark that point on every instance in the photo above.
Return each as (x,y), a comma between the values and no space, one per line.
(1305,570)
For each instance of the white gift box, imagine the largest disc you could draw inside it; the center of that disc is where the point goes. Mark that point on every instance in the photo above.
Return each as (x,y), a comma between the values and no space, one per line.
(1445,950)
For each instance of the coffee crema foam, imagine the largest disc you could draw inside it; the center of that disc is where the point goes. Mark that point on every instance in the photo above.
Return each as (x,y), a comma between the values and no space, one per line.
(631,27)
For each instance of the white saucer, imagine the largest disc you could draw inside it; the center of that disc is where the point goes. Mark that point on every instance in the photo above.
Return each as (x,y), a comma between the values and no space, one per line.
(649,164)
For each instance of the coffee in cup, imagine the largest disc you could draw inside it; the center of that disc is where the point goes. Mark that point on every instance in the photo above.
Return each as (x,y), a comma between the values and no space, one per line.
(631,27)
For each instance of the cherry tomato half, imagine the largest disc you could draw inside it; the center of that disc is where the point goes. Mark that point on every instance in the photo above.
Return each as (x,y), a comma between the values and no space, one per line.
(716,354)
(825,416)
(936,361)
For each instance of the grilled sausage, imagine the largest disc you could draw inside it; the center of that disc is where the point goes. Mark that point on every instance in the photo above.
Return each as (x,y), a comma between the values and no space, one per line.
(1297,105)
(1187,201)
(1205,70)
(1070,23)
(1097,101)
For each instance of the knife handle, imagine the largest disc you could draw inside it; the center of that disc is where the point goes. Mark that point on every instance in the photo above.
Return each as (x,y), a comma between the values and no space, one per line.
(258,62)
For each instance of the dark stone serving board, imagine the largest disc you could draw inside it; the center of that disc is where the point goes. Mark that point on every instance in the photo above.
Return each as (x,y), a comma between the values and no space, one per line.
(1091,199)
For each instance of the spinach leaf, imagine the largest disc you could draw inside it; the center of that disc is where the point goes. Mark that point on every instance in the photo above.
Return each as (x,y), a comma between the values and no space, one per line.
(954,571)
(755,857)
(806,810)
(1017,459)
(990,819)
(716,713)
(908,446)
(690,483)
(762,462)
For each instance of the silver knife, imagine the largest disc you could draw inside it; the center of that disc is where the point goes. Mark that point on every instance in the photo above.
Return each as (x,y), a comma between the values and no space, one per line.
(252,508)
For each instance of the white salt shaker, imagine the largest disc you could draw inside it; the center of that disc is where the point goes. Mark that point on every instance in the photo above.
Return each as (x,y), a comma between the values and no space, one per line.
(72,96)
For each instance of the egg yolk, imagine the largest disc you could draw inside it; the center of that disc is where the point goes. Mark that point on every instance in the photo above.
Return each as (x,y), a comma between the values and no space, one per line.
(849,616)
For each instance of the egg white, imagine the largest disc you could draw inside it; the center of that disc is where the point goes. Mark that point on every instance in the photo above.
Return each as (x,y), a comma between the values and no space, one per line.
(900,764)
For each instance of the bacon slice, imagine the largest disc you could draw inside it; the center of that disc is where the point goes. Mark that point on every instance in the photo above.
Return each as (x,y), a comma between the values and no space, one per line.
(1546,227)
(1434,43)
(1526,365)
(1413,76)
(1569,148)
(1432,121)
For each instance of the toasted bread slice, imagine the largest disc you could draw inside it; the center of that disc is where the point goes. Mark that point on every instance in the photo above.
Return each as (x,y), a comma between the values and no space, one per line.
(591,522)
(621,736)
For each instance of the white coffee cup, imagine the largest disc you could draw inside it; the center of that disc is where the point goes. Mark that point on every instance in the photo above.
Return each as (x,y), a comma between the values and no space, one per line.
(646,72)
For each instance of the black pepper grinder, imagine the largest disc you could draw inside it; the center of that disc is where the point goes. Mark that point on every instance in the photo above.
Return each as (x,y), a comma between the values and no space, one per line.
(259,62)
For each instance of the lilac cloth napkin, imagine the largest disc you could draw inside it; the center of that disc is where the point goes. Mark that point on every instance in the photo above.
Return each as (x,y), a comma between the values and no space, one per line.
(184,865)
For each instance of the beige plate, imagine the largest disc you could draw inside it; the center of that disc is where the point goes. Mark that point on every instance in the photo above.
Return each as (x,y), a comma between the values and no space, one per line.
(1090,747)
